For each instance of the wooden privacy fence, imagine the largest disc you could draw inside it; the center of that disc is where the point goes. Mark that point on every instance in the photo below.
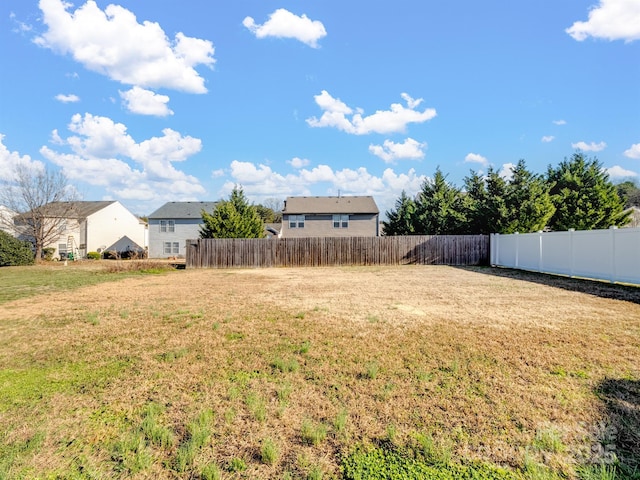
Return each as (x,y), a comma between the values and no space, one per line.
(321,251)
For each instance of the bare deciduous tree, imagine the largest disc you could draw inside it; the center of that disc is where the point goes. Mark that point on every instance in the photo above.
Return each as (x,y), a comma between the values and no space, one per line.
(40,197)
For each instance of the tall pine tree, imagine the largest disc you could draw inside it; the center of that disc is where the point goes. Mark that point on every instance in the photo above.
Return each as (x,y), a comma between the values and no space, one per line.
(583,195)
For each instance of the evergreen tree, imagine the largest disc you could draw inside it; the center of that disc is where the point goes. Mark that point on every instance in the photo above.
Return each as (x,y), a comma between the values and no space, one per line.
(401,220)
(629,193)
(583,195)
(233,218)
(521,203)
(439,208)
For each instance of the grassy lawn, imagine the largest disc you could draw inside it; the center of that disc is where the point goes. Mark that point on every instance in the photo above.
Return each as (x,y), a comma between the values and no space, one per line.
(377,372)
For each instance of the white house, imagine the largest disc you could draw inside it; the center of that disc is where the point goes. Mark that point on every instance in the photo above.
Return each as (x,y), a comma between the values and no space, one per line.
(100,226)
(6,220)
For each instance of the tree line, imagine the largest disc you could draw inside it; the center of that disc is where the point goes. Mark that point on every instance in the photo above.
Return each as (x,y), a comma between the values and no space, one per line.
(577,193)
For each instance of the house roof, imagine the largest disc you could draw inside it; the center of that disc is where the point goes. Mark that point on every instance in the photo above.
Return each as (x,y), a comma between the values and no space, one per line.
(78,210)
(183,210)
(310,205)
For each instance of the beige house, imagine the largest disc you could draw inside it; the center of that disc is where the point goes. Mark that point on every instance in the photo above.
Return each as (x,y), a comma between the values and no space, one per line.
(330,217)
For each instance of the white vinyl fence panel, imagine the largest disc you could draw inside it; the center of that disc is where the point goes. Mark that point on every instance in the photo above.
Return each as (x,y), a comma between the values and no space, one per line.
(612,254)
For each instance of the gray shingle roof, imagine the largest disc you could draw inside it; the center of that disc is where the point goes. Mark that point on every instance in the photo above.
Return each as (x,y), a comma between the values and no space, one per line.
(183,210)
(77,210)
(309,205)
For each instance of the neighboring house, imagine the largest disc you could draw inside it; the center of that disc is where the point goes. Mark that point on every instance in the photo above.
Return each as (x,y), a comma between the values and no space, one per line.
(6,220)
(330,217)
(173,224)
(635,218)
(101,226)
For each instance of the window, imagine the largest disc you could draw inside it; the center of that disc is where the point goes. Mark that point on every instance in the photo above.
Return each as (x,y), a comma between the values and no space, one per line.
(296,221)
(167,225)
(341,221)
(171,248)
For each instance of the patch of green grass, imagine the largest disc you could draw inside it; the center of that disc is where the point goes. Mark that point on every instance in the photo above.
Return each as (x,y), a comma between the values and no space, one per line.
(377,463)
(199,433)
(171,356)
(257,406)
(371,371)
(269,452)
(285,366)
(32,385)
(549,440)
(131,454)
(237,465)
(29,281)
(340,422)
(313,433)
(283,392)
(303,348)
(12,453)
(210,471)
(153,430)
(234,336)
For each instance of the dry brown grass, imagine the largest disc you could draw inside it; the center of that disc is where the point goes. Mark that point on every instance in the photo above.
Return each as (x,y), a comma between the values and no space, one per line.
(484,362)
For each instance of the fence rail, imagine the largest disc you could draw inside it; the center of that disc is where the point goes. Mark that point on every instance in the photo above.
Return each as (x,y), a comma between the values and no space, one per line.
(317,251)
(612,254)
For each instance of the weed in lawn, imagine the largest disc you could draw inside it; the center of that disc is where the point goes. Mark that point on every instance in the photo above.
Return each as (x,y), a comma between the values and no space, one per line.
(269,452)
(283,392)
(285,366)
(316,473)
(300,315)
(372,369)
(303,348)
(549,440)
(340,422)
(198,435)
(432,450)
(124,314)
(313,433)
(216,326)
(93,318)
(210,471)
(131,454)
(171,356)
(373,319)
(237,465)
(257,406)
(232,336)
(153,430)
(230,415)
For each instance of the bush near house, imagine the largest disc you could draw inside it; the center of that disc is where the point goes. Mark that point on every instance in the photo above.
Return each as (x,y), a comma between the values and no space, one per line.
(14,251)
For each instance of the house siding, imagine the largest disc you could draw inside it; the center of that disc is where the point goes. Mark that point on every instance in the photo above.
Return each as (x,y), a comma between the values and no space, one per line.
(184,229)
(100,230)
(360,225)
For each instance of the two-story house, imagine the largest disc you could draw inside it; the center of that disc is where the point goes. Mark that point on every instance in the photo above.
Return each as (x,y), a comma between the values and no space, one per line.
(341,216)
(173,224)
(81,227)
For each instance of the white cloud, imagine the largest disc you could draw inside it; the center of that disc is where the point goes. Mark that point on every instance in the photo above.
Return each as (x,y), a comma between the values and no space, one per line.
(390,151)
(611,20)
(298,162)
(146,102)
(548,138)
(476,158)
(506,171)
(589,147)
(284,24)
(102,153)
(9,160)
(382,121)
(67,98)
(113,43)
(260,182)
(633,152)
(617,172)
(559,122)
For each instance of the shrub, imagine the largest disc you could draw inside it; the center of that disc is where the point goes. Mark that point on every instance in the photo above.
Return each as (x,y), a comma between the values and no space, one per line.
(13,251)
(93,256)
(47,253)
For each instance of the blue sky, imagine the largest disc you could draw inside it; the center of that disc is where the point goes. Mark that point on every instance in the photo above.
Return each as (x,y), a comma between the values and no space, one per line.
(151,101)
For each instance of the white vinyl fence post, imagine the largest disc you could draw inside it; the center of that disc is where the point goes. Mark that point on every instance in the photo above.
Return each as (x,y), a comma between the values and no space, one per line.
(572,252)
(613,253)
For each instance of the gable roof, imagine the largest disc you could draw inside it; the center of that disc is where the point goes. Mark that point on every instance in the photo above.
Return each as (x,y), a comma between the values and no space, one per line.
(77,210)
(310,205)
(183,210)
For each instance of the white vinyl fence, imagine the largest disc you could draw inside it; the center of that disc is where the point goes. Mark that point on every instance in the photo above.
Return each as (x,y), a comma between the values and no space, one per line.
(612,254)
